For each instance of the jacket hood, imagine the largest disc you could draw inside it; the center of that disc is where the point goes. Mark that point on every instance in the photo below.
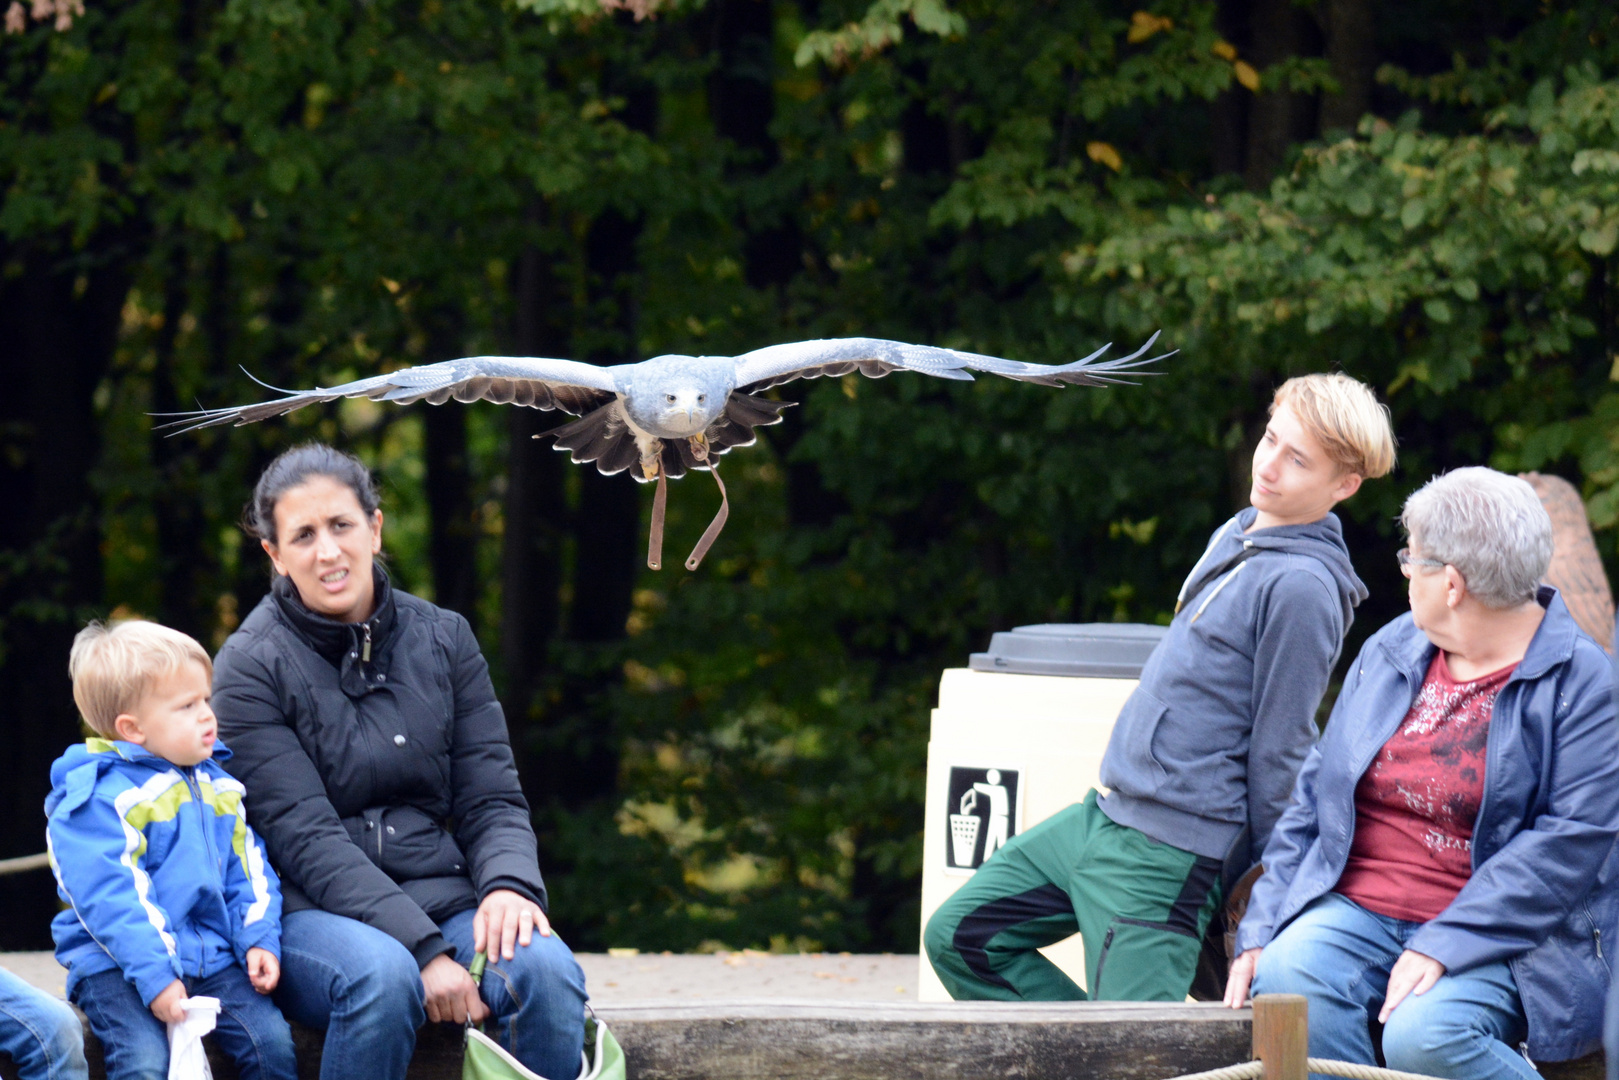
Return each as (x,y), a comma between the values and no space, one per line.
(104,754)
(1321,540)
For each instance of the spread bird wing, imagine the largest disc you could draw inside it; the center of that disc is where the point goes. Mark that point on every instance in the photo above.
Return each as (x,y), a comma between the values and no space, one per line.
(876,357)
(536,382)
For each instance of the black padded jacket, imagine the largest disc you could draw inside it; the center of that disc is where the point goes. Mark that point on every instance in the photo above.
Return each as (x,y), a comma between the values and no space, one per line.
(378,768)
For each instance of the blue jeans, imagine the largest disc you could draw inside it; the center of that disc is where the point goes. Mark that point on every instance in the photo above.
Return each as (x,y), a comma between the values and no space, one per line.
(250,1029)
(1338,954)
(364,988)
(39,1033)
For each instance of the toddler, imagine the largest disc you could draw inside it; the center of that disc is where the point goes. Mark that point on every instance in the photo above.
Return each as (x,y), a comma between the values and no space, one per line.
(169,894)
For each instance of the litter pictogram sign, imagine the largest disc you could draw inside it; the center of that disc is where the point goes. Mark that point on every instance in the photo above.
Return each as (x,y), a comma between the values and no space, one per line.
(985,808)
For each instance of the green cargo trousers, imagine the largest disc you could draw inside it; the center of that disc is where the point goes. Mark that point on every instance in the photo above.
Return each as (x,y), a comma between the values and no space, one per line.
(1142,908)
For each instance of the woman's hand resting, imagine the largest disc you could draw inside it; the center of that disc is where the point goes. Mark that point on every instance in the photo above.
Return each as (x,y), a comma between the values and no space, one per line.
(451,993)
(506,918)
(1241,977)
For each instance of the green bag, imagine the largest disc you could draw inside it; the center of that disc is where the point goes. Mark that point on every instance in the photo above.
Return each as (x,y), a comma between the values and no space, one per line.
(485,1059)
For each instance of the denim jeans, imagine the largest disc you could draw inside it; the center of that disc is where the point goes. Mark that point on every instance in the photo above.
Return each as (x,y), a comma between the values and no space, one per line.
(39,1033)
(364,988)
(250,1029)
(1338,954)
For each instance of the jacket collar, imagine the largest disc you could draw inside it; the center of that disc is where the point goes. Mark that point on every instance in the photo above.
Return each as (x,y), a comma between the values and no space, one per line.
(1553,643)
(129,751)
(334,640)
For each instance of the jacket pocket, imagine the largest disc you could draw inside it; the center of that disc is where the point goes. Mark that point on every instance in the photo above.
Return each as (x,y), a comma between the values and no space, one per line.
(1134,770)
(1142,960)
(406,843)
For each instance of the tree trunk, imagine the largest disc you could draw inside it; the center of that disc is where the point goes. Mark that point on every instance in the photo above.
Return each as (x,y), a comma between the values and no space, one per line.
(535,508)
(452,536)
(1276,118)
(1352,55)
(57,333)
(186,552)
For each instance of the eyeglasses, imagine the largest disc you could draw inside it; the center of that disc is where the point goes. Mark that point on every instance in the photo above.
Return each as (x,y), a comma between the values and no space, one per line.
(1408,560)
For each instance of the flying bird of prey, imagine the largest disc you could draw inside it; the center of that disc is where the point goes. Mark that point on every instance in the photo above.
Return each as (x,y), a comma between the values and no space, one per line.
(668,414)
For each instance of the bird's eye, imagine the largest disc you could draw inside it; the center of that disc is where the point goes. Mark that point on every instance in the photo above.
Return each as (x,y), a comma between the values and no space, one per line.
(670,398)
(701,398)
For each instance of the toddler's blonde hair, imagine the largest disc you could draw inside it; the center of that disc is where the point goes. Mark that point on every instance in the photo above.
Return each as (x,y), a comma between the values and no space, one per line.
(112,665)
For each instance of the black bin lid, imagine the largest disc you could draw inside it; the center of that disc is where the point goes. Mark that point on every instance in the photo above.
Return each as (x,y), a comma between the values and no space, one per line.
(1090,650)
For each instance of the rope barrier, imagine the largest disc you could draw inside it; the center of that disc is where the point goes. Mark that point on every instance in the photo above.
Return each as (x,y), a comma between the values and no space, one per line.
(1248,1070)
(1361,1072)
(25,863)
(1254,1070)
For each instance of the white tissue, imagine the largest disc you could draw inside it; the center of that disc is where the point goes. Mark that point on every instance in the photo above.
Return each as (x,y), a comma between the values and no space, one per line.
(187,1060)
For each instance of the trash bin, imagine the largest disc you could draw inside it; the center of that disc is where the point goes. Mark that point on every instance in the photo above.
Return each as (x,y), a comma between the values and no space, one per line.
(1019,735)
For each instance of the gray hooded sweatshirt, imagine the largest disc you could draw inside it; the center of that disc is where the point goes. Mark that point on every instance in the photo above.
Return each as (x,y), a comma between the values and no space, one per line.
(1204,754)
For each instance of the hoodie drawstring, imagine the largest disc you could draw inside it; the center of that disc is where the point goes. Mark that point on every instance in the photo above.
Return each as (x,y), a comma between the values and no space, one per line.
(1216,590)
(1180,597)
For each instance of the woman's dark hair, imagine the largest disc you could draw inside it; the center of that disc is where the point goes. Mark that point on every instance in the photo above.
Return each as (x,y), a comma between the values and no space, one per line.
(297,466)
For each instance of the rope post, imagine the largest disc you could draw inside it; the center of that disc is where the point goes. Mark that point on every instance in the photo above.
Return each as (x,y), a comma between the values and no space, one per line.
(1282,1035)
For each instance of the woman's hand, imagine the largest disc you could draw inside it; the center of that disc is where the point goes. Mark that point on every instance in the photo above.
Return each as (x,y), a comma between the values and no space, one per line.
(508,918)
(451,993)
(1241,977)
(1413,973)
(263,969)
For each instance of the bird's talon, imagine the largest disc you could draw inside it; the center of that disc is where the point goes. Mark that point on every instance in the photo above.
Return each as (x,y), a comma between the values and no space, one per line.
(699,447)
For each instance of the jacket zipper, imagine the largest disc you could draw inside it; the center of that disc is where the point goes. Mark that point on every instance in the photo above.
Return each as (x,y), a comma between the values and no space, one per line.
(207,842)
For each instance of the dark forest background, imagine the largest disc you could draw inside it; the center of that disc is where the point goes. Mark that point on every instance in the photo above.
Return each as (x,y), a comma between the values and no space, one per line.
(1423,194)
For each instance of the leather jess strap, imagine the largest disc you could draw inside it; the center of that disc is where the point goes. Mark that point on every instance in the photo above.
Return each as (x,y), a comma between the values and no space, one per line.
(660,503)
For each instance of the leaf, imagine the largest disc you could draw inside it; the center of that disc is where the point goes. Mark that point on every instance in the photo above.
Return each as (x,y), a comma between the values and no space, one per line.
(1600,240)
(1224,50)
(1103,154)
(1144,24)
(1466,288)
(1413,213)
(1246,75)
(1437,310)
(283,175)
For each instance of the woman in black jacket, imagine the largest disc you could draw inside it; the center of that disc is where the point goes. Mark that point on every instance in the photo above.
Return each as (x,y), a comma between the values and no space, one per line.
(380,775)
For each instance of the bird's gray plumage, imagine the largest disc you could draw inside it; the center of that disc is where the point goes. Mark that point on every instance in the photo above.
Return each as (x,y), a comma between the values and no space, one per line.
(670,413)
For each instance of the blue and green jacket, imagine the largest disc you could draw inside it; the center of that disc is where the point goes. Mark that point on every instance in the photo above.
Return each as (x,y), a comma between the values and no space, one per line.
(160,872)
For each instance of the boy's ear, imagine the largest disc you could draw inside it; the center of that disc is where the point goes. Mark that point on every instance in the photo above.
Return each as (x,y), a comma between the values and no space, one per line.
(1348,484)
(129,729)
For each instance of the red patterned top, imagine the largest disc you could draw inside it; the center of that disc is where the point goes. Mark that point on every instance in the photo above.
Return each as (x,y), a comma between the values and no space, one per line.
(1415,807)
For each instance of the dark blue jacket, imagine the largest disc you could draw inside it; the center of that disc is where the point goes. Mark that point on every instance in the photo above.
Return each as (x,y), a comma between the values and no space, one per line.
(1544,893)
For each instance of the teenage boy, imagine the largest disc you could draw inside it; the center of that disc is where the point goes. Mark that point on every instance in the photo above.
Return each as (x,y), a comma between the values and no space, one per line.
(168,891)
(1203,756)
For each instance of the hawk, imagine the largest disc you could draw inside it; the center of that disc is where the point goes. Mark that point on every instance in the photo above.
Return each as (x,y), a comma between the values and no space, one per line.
(663,416)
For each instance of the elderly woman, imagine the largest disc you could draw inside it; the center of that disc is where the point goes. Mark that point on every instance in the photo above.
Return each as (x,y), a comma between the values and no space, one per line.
(378,766)
(1444,866)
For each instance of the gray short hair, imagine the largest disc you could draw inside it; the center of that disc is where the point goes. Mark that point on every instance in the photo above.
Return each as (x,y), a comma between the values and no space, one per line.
(1490,526)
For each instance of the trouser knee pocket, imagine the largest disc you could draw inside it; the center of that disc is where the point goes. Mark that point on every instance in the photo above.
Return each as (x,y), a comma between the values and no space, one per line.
(1142,960)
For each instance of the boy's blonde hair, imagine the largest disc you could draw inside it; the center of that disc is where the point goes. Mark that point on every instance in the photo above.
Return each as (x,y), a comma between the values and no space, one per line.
(113,665)
(1345,417)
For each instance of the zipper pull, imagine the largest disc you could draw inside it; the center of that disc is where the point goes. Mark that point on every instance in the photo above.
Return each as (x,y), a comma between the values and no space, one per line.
(1598,935)
(365,650)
